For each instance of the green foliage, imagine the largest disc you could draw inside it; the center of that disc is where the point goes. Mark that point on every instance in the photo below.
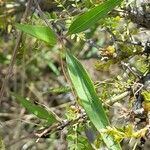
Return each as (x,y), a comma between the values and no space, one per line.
(142,64)
(2,58)
(40,73)
(89,99)
(39,111)
(53,68)
(146,95)
(77,141)
(89,18)
(2,146)
(104,65)
(126,132)
(40,32)
(59,90)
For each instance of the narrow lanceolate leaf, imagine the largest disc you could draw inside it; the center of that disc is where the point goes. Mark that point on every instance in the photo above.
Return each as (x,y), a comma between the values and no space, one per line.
(89,99)
(40,32)
(37,110)
(89,18)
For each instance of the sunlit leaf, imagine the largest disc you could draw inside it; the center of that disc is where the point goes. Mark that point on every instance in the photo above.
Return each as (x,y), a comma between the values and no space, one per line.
(146,95)
(40,32)
(37,110)
(89,99)
(89,18)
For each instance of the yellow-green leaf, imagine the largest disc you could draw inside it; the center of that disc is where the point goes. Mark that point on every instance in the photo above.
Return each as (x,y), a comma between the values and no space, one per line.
(43,33)
(146,95)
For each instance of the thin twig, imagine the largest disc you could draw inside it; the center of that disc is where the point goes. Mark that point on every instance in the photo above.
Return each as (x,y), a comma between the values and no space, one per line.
(54,128)
(42,15)
(13,59)
(133,70)
(60,126)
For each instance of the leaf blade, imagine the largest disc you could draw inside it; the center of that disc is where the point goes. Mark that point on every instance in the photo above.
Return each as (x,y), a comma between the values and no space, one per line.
(37,110)
(40,32)
(89,18)
(89,99)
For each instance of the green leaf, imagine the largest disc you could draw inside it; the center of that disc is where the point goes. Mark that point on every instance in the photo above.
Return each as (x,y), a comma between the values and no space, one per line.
(89,18)
(40,32)
(2,146)
(59,90)
(53,68)
(39,111)
(2,58)
(89,99)
(146,95)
